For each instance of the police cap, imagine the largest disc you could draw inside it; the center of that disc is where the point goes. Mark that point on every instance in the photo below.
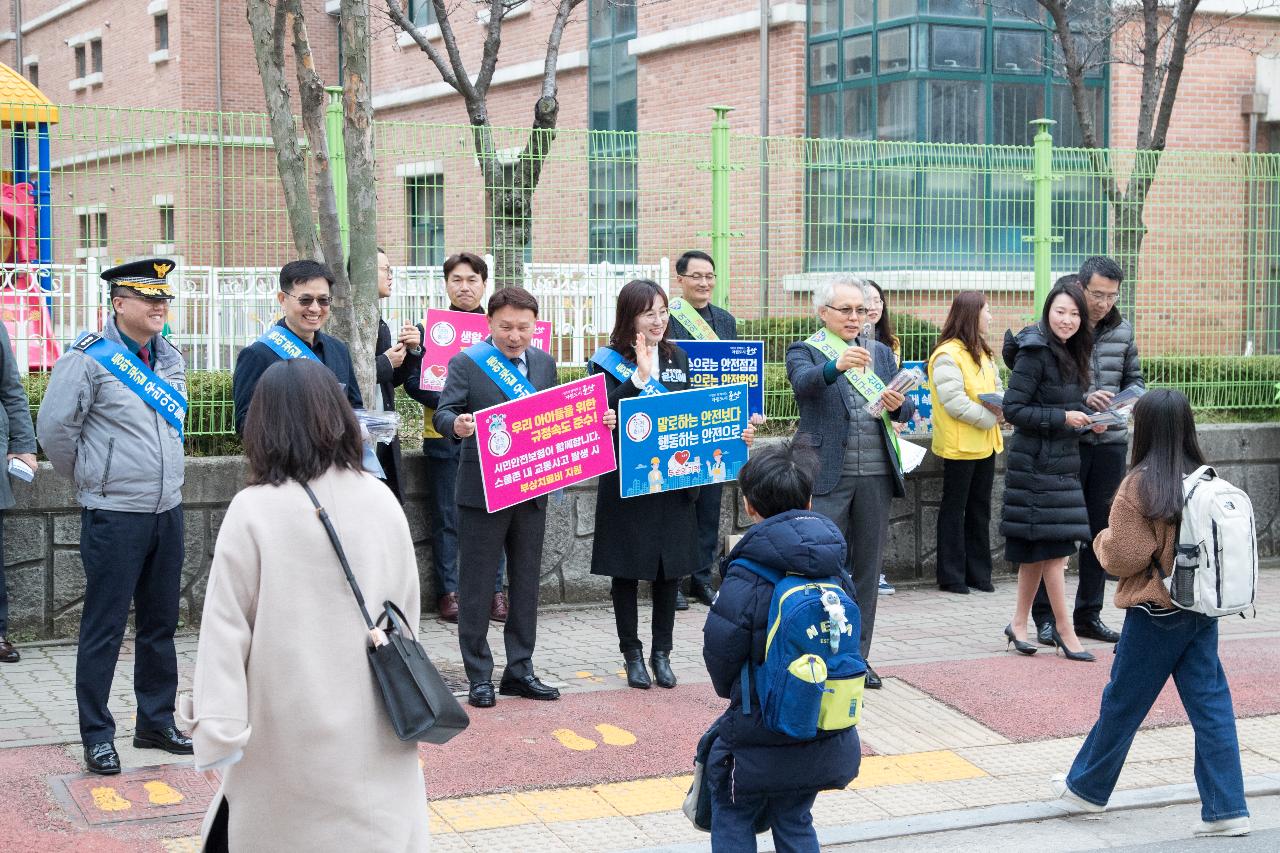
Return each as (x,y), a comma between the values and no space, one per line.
(148,277)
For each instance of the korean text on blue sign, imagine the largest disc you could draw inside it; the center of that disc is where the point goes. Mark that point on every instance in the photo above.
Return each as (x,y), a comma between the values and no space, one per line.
(682,439)
(921,422)
(716,363)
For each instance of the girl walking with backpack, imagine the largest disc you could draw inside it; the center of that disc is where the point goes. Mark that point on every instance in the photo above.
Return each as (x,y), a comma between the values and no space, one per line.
(1159,640)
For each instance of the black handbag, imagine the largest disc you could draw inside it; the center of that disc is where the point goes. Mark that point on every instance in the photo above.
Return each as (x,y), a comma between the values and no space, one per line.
(421,706)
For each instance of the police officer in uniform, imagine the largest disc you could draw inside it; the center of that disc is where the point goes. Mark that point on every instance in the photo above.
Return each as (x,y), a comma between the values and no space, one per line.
(111,420)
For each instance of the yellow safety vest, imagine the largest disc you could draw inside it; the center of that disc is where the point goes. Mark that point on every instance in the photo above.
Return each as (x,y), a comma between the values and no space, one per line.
(953,439)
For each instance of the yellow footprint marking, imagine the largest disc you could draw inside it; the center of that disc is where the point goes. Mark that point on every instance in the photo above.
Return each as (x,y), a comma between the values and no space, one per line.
(161,794)
(615,736)
(570,739)
(105,799)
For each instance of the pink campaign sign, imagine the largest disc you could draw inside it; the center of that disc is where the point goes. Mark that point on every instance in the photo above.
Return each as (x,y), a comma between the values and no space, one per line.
(543,442)
(450,332)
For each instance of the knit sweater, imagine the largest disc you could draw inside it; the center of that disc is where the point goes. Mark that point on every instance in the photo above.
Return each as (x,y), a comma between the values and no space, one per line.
(1126,547)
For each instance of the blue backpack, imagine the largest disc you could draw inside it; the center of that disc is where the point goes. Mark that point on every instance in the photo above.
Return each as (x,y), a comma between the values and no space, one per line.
(813,673)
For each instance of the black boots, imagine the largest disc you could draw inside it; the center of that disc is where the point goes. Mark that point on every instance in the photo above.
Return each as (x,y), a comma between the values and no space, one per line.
(661,663)
(637,675)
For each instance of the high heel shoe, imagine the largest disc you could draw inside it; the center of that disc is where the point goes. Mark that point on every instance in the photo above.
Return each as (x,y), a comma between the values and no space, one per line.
(637,675)
(1067,653)
(1021,647)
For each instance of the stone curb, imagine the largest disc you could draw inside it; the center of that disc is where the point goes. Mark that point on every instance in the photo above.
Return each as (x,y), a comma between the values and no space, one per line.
(1143,798)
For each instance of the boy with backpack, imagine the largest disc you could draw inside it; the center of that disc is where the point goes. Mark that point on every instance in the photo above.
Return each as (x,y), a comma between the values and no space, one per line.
(781,643)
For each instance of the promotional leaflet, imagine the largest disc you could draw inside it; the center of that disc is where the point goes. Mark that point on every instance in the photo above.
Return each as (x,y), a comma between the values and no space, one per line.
(545,441)
(716,363)
(682,439)
(921,422)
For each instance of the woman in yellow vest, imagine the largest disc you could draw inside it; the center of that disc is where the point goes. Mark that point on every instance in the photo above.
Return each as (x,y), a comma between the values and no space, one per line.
(966,434)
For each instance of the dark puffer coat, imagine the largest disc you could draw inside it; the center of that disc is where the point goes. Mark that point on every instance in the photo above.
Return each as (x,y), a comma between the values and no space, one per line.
(1043,501)
(1114,367)
(760,762)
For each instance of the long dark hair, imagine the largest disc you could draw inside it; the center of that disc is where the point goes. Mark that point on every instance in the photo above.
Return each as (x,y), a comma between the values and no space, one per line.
(963,324)
(299,425)
(884,326)
(1073,356)
(635,298)
(1164,443)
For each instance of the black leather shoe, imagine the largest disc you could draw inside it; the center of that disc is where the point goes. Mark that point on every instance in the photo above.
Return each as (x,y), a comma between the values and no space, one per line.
(702,592)
(102,758)
(481,695)
(1044,634)
(1094,629)
(873,680)
(661,663)
(528,687)
(682,603)
(637,675)
(169,739)
(8,654)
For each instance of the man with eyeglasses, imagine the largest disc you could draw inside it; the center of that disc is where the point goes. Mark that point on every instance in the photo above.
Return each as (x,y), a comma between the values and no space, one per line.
(305,297)
(694,318)
(112,421)
(1114,367)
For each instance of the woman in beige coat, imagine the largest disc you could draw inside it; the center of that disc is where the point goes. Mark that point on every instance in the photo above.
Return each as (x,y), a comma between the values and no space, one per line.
(284,703)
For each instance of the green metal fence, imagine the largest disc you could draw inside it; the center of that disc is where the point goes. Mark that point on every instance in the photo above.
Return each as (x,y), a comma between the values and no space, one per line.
(924,220)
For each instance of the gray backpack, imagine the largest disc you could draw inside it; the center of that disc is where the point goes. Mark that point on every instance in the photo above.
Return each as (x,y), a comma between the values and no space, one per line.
(1215,570)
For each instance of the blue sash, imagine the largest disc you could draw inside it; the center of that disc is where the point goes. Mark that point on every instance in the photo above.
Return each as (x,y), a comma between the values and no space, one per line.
(501,370)
(286,344)
(621,369)
(136,376)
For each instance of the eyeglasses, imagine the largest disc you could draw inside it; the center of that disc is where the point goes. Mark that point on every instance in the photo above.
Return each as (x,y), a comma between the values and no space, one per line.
(650,316)
(699,276)
(308,300)
(848,312)
(1103,297)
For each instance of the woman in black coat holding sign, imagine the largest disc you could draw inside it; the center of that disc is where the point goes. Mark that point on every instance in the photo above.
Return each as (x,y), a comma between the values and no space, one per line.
(652,537)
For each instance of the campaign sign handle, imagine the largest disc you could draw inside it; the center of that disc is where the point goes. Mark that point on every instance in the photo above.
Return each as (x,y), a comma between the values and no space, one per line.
(682,439)
(544,442)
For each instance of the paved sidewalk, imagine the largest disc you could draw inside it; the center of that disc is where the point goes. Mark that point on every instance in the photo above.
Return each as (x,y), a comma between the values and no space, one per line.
(961,725)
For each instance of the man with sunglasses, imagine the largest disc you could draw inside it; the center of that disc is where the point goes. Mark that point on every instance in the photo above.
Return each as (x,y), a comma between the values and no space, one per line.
(305,298)
(112,421)
(694,318)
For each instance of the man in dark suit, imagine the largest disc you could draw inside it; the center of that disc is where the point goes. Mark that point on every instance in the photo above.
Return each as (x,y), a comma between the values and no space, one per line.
(513,314)
(696,273)
(305,299)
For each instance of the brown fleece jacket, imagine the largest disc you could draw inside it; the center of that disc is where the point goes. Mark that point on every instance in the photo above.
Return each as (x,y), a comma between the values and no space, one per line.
(1126,547)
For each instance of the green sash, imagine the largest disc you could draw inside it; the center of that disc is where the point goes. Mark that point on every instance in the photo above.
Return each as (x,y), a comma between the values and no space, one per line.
(698,328)
(868,385)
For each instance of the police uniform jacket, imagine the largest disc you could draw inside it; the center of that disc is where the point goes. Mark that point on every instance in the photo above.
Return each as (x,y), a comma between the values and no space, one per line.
(635,535)
(121,454)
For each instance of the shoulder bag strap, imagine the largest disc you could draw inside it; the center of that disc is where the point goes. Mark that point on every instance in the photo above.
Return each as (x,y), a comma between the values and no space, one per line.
(346,567)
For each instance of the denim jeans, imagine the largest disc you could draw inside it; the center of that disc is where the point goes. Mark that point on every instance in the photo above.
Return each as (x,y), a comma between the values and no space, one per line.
(1151,648)
(733,822)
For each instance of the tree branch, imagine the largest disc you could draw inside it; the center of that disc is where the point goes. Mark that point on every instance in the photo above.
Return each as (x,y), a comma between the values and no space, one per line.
(564,10)
(401,20)
(492,41)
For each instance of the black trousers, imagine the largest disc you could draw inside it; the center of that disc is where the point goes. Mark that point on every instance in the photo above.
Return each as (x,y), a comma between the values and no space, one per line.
(482,537)
(626,613)
(129,557)
(4,595)
(707,508)
(964,522)
(1101,470)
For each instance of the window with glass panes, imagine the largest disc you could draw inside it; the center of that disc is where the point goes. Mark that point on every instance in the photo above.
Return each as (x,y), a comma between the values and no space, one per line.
(611,161)
(424,215)
(942,71)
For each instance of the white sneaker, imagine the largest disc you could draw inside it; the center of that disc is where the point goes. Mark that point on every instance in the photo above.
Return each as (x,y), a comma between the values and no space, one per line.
(1232,826)
(1059,785)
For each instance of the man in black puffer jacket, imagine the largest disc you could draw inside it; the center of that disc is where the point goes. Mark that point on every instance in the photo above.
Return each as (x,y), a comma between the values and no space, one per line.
(754,772)
(1114,367)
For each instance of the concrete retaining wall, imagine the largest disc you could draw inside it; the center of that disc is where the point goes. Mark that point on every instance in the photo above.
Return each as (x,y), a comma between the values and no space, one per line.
(46,581)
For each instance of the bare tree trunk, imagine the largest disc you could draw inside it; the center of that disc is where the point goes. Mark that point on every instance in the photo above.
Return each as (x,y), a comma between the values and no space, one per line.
(267,26)
(362,201)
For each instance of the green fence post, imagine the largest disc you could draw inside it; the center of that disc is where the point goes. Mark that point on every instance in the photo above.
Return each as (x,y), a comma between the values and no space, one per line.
(720,169)
(337,159)
(1042,240)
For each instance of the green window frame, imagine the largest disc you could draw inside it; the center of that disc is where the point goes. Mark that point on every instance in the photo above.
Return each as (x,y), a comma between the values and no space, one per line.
(424,218)
(612,151)
(937,71)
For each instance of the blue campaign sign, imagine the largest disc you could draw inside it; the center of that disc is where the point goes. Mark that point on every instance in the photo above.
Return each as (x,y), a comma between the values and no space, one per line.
(716,363)
(681,439)
(921,422)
